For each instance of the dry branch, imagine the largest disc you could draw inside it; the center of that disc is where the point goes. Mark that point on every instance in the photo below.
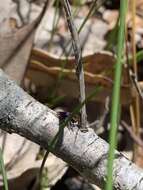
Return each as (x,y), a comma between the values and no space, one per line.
(86,152)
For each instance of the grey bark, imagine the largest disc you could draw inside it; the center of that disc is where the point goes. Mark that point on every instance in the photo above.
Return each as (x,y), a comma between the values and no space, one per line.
(86,152)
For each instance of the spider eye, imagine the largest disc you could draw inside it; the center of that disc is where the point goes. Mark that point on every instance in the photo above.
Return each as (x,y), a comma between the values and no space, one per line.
(75,122)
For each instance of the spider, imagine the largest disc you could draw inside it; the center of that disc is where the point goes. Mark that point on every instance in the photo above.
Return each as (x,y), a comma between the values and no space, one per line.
(63,115)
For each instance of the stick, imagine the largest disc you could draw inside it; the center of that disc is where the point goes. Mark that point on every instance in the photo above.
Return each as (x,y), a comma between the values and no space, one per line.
(79,65)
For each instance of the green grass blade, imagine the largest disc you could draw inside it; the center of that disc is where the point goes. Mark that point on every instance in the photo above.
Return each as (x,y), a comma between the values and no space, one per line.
(55,23)
(2,171)
(116,94)
(93,8)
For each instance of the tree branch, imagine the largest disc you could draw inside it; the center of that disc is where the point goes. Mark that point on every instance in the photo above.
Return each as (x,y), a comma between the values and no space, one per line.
(86,152)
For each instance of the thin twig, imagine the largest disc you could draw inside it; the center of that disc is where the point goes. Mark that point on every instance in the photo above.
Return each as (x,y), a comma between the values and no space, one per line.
(94,7)
(136,138)
(134,80)
(17,156)
(136,99)
(100,123)
(79,65)
(133,75)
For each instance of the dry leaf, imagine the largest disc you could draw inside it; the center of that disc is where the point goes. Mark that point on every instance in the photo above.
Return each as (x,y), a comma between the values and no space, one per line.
(15,50)
(98,71)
